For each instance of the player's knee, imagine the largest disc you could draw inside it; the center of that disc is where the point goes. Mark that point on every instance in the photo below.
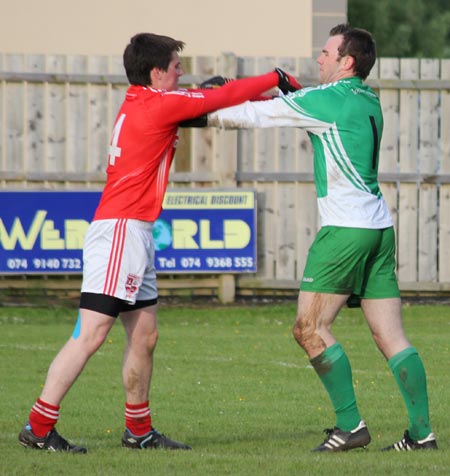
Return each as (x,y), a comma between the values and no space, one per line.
(143,345)
(91,343)
(296,332)
(152,340)
(302,332)
(146,343)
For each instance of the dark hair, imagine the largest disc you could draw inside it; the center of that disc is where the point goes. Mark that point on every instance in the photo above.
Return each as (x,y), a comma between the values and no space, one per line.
(359,44)
(145,52)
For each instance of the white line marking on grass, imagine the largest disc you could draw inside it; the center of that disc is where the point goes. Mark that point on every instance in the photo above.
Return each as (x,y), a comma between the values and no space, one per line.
(29,347)
(290,365)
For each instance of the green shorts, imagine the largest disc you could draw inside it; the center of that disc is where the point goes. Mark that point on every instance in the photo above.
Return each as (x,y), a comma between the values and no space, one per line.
(356,261)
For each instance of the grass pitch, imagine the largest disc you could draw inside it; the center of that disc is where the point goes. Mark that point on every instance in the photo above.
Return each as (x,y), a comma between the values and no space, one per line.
(231,382)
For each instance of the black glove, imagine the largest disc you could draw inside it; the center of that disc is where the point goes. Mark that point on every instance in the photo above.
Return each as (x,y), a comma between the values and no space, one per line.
(286,82)
(211,83)
(214,82)
(201,121)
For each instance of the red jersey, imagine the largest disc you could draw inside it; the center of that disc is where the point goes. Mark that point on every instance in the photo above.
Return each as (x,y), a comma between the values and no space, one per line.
(145,136)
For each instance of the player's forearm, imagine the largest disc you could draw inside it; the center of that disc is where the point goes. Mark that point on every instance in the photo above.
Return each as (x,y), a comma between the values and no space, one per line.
(202,101)
(260,114)
(240,90)
(252,88)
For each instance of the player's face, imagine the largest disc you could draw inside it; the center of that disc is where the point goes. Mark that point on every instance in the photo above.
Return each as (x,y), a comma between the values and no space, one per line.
(332,66)
(168,80)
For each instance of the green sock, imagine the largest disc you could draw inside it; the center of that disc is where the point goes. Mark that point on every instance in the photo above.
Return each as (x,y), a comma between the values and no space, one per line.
(333,369)
(409,373)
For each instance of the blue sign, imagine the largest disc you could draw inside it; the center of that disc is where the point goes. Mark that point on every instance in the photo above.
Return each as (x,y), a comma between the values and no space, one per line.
(198,231)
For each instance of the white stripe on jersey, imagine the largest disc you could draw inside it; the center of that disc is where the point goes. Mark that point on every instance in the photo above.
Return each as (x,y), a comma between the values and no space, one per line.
(180,92)
(340,156)
(162,170)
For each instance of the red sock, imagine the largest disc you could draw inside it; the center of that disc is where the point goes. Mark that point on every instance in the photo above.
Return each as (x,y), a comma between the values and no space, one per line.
(43,417)
(137,418)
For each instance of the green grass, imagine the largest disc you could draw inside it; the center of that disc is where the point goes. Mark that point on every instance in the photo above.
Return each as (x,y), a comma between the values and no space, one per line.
(231,382)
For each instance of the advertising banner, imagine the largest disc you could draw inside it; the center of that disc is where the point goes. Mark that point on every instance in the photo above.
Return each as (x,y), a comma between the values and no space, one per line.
(206,231)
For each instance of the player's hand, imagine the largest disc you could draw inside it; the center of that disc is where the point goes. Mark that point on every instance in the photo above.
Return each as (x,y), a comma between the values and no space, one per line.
(211,83)
(286,82)
(200,121)
(214,82)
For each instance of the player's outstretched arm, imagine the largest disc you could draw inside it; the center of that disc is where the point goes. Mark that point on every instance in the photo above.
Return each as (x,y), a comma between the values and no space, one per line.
(286,83)
(210,83)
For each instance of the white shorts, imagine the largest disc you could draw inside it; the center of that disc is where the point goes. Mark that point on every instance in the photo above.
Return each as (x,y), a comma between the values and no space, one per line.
(119,260)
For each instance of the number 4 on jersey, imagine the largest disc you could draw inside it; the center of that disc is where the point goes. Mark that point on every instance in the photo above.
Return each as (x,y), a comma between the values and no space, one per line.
(114,149)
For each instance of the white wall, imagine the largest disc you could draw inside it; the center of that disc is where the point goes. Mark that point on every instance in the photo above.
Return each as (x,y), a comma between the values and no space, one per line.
(244,27)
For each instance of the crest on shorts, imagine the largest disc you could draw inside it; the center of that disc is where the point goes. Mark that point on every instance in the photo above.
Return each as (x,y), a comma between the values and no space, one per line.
(132,285)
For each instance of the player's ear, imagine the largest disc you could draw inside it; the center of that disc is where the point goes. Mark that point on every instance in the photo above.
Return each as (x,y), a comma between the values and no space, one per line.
(155,76)
(349,62)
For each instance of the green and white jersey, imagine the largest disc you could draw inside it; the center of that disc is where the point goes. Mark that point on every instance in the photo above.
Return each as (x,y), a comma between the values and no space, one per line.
(344,122)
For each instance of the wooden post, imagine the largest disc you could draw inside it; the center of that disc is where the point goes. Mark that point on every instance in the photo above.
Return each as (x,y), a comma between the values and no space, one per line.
(225,161)
(227,288)
(444,197)
(407,236)
(429,155)
(389,68)
(225,153)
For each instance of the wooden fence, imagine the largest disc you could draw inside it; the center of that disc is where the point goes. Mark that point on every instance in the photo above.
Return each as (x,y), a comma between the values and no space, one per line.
(57,114)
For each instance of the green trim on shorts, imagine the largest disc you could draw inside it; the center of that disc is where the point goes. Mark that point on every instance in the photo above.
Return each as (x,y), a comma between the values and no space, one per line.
(356,261)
